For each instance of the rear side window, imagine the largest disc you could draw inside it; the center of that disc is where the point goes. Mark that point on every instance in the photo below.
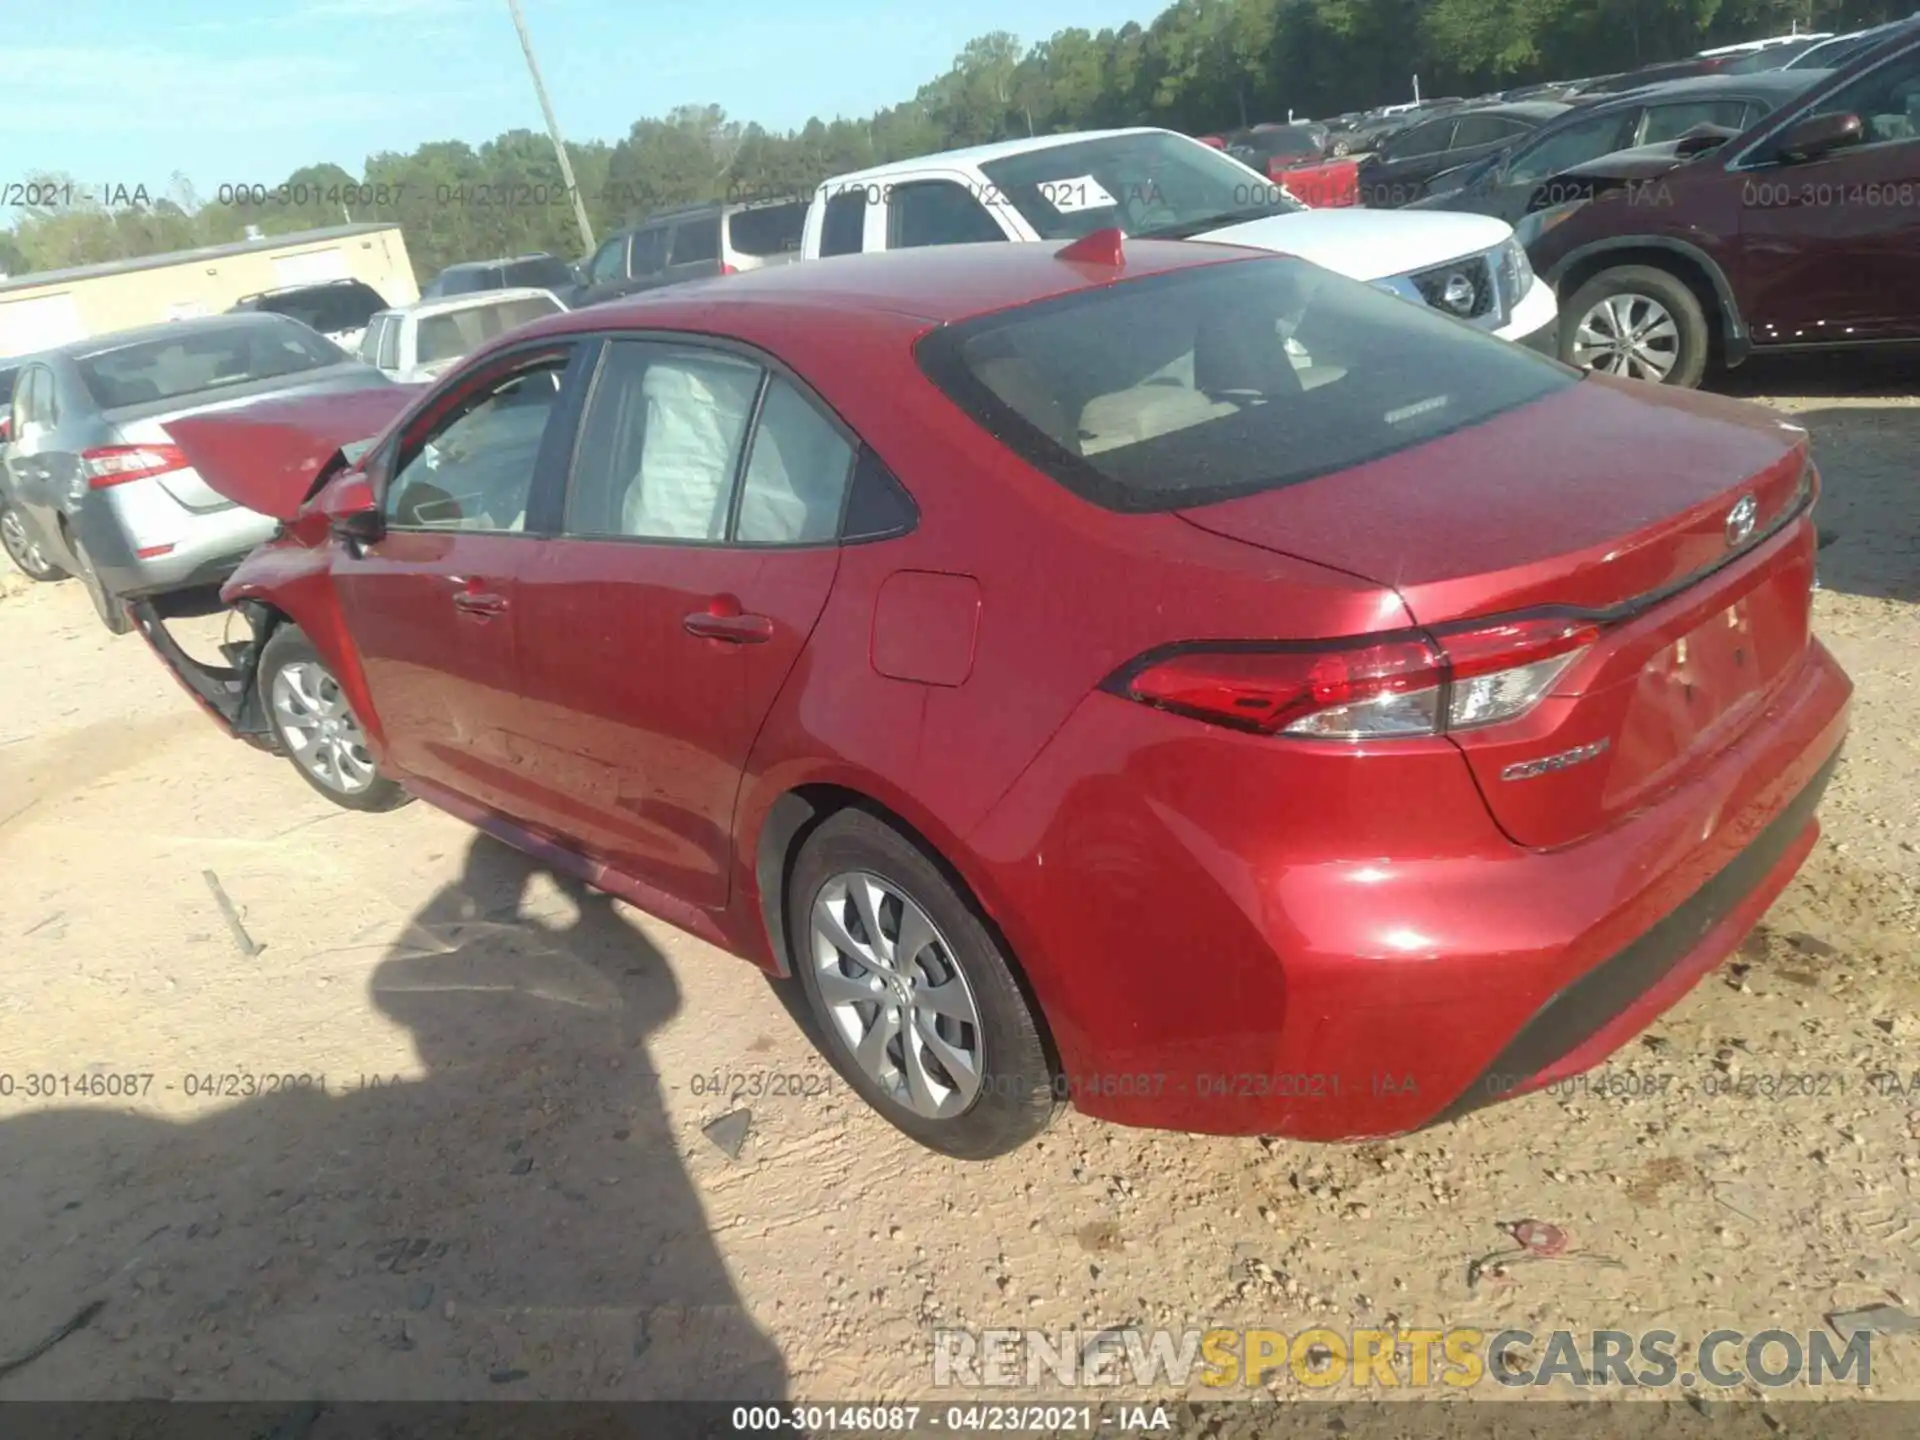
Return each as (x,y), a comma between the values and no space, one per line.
(1484,130)
(390,344)
(937,212)
(1428,139)
(369,349)
(544,272)
(695,241)
(649,251)
(1208,384)
(772,230)
(202,361)
(456,333)
(843,227)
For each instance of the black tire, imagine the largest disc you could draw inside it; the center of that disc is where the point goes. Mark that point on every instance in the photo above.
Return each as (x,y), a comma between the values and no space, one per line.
(1693,335)
(111,609)
(1015,1100)
(27,557)
(289,646)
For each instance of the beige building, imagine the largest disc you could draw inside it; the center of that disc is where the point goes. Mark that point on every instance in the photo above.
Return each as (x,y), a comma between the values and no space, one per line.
(56,306)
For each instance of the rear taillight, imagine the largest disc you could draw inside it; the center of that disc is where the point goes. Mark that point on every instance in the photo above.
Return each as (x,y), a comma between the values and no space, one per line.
(726,269)
(117,464)
(1407,683)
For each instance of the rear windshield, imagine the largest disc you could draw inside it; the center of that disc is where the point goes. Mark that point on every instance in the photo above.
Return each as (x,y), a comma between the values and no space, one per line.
(771,230)
(327,308)
(205,359)
(1149,184)
(448,337)
(545,273)
(1211,383)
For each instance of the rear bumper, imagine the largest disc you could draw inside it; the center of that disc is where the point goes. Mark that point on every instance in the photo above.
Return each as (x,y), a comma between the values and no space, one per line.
(194,549)
(1227,941)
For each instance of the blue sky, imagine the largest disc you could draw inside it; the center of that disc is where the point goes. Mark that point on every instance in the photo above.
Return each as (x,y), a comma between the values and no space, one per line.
(118,93)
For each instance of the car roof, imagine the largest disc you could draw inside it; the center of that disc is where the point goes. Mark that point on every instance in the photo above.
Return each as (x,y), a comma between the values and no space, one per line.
(1781,84)
(984,154)
(501,260)
(1524,109)
(903,290)
(472,301)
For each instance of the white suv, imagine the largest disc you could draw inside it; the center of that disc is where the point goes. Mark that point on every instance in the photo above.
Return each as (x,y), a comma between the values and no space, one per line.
(1159,185)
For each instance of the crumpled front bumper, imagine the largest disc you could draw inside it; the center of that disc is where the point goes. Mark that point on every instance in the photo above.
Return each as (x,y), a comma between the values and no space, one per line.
(227,693)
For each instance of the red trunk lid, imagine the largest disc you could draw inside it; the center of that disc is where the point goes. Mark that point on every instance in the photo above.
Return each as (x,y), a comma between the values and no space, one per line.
(1608,496)
(266,455)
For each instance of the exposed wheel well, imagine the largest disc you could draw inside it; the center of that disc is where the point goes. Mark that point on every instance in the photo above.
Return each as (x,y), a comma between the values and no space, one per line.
(1677,264)
(796,815)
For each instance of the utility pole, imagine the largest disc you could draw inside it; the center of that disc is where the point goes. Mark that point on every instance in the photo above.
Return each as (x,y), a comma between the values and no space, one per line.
(553,130)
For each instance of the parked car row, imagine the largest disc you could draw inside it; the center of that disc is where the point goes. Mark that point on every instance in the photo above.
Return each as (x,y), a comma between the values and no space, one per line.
(981,635)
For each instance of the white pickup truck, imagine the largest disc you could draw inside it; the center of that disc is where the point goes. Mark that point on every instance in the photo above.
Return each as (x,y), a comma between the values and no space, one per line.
(1156,184)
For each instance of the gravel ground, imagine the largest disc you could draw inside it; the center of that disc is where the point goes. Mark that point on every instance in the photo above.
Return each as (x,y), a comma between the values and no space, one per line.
(487,1177)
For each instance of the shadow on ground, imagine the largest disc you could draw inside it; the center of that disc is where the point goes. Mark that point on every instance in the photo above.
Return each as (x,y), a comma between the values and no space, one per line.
(517,1224)
(1867,444)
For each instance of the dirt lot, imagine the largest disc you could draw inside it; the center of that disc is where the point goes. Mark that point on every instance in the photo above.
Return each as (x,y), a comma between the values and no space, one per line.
(503,1190)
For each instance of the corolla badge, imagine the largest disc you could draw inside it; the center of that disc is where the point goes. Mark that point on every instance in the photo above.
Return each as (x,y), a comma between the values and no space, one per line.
(1547,765)
(1741,519)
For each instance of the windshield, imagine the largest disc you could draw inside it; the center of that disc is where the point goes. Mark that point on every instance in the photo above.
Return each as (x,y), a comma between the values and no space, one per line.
(199,360)
(1152,184)
(449,336)
(1211,383)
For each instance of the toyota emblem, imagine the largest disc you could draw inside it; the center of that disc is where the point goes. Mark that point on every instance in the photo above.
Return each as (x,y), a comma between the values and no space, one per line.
(1459,294)
(1741,520)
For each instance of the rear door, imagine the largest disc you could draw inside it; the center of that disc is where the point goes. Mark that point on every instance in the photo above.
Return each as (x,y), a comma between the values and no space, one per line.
(1830,247)
(699,541)
(431,606)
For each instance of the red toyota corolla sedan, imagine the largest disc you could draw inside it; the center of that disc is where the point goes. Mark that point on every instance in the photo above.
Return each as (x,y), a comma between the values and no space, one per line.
(1180,681)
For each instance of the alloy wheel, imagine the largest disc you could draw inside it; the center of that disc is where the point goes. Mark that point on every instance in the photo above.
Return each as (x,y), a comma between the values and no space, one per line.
(22,548)
(895,994)
(310,712)
(1628,334)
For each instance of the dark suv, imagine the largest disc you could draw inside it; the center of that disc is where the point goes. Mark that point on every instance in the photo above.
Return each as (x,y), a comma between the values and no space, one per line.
(338,309)
(695,242)
(1502,183)
(1801,232)
(540,271)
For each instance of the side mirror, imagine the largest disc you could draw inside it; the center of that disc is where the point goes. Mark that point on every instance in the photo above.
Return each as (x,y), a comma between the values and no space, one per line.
(352,511)
(1819,135)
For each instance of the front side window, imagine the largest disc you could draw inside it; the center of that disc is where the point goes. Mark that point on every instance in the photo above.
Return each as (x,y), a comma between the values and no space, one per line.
(609,262)
(475,470)
(937,212)
(1670,122)
(1212,383)
(1886,98)
(1153,185)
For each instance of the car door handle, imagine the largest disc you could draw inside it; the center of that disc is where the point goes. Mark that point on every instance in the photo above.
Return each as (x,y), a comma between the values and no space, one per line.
(724,621)
(474,602)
